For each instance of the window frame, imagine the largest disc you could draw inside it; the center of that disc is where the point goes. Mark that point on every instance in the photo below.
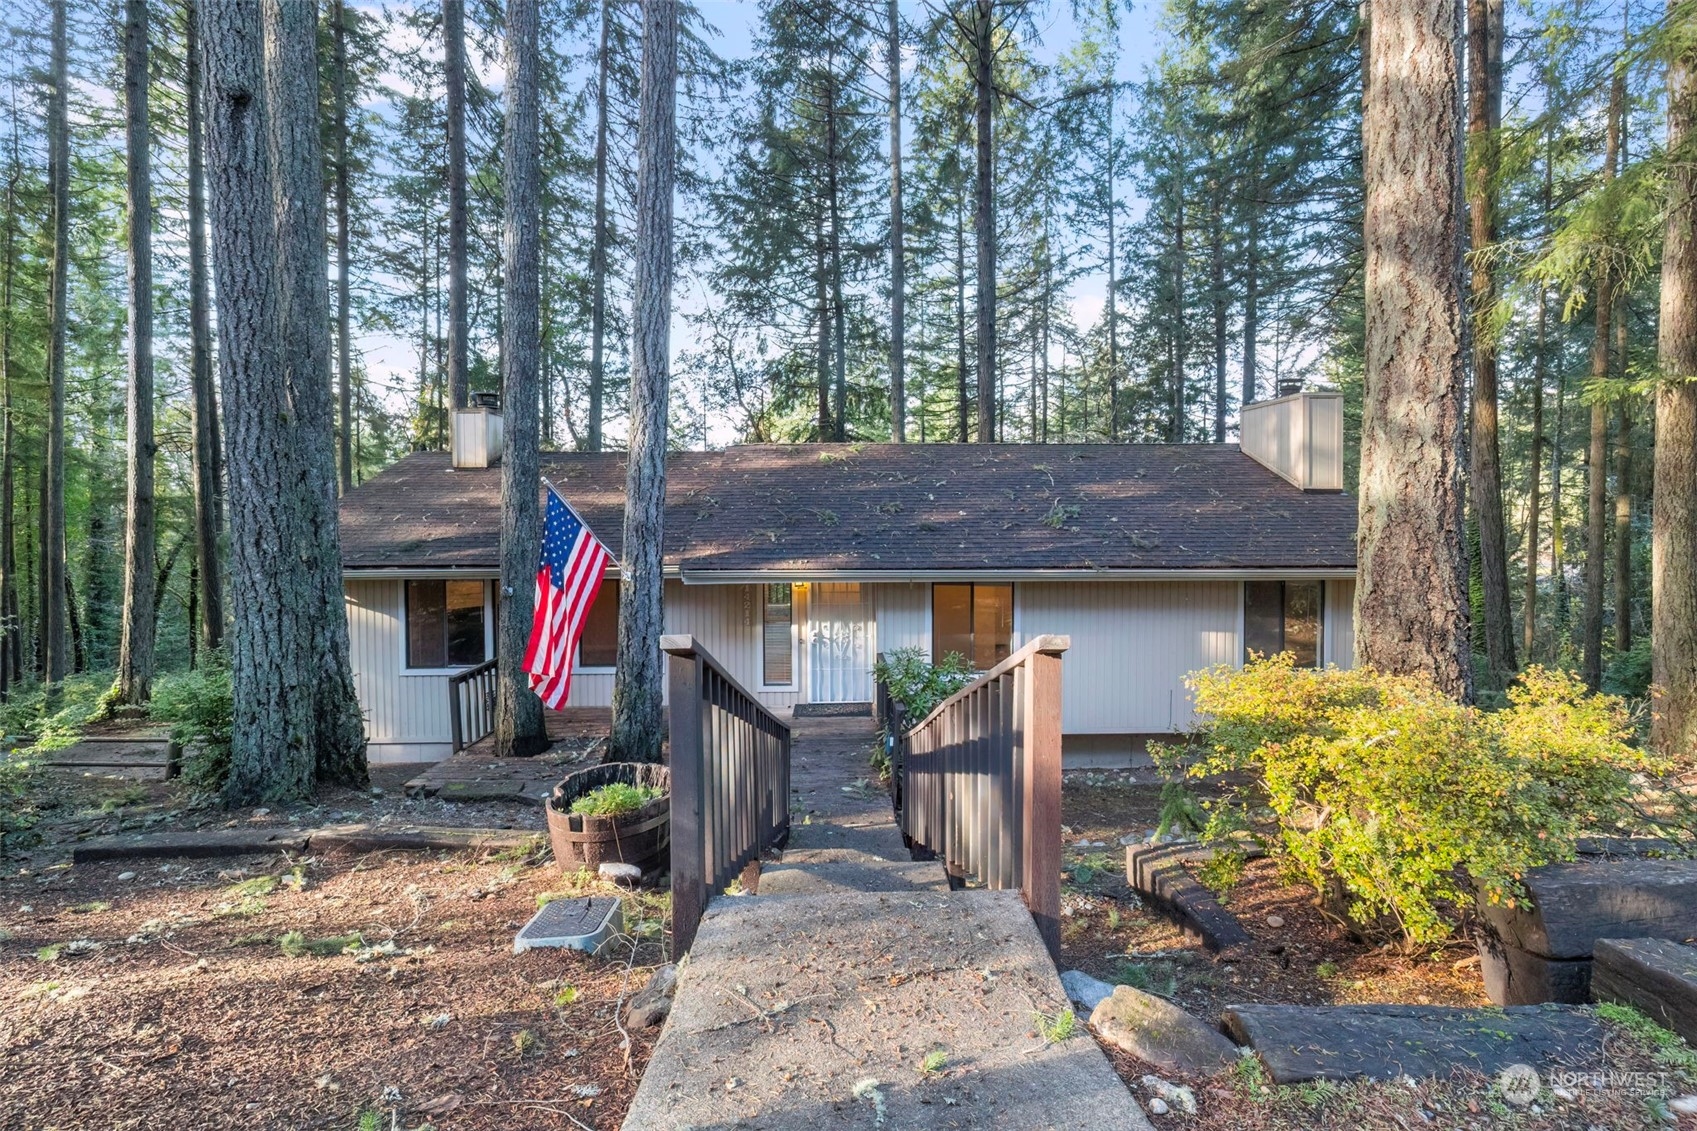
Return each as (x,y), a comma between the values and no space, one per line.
(404,636)
(1320,658)
(578,666)
(795,636)
(1013,617)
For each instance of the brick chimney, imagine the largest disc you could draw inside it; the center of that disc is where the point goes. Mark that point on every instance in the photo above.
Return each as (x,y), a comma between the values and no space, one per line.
(1299,436)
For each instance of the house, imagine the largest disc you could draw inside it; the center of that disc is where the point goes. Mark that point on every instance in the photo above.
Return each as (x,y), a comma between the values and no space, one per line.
(796,565)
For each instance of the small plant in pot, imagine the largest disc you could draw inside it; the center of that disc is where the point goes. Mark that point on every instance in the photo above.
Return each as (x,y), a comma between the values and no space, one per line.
(617,812)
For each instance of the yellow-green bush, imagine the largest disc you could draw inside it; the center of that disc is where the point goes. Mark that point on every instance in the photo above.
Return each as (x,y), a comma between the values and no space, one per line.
(1389,796)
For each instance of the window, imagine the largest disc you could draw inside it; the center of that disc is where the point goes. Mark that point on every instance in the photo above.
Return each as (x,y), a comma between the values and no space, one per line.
(1283,616)
(598,643)
(777,614)
(974,620)
(445,624)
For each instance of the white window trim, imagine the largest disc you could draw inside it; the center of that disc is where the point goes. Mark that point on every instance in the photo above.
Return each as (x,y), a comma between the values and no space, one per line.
(488,630)
(795,639)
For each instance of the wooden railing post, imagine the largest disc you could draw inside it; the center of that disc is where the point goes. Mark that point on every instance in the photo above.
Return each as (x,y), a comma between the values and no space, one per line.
(689,864)
(1041,884)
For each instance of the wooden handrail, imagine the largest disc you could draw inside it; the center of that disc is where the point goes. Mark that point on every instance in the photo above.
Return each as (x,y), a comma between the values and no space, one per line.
(981,781)
(730,759)
(469,723)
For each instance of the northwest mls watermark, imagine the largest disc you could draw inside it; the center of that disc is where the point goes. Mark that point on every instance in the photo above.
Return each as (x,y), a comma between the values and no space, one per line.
(1520,1084)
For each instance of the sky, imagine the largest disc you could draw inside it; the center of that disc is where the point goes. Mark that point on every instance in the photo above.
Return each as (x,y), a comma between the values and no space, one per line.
(392,360)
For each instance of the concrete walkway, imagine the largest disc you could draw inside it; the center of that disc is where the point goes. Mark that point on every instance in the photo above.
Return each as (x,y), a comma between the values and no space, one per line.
(816,1002)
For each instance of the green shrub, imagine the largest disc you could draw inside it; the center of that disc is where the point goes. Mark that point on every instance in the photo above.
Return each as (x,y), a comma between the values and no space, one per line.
(1384,790)
(200,710)
(54,717)
(918,685)
(614,800)
(1628,672)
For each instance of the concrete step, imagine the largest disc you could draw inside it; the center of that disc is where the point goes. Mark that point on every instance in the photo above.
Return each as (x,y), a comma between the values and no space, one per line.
(857,874)
(814,1011)
(875,838)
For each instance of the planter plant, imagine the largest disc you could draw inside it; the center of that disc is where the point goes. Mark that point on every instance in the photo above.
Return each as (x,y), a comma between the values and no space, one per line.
(617,812)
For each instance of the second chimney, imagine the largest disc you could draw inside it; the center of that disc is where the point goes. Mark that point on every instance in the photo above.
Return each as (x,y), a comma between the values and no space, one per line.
(478,434)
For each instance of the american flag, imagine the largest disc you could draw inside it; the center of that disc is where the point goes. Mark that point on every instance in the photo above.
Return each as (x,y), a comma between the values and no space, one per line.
(567,580)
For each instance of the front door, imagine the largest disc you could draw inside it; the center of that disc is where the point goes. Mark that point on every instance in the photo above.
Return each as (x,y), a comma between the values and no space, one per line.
(839,654)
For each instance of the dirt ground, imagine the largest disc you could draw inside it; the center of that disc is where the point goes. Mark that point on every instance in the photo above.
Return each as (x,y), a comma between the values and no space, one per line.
(348,992)
(1298,956)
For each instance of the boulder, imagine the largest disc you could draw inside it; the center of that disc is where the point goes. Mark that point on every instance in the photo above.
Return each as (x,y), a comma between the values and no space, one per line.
(1157,1031)
(1084,990)
(654,1001)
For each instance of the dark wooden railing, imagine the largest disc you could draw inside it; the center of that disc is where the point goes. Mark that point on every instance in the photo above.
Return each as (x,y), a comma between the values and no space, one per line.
(730,761)
(471,704)
(981,781)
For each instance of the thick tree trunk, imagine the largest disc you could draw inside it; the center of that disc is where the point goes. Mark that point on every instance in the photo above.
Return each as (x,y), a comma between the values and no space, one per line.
(1673,539)
(296,715)
(1484,120)
(638,723)
(962,397)
(206,456)
(53,613)
(822,330)
(519,726)
(598,246)
(1411,589)
(344,253)
(984,213)
(898,246)
(453,37)
(135,651)
(1597,460)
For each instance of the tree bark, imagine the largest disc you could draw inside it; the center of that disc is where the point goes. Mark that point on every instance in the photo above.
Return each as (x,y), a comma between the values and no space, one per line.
(1623,585)
(839,326)
(898,247)
(519,726)
(984,213)
(598,246)
(296,717)
(1411,589)
(135,650)
(1673,533)
(1217,285)
(1252,281)
(1484,122)
(206,455)
(962,397)
(638,723)
(11,651)
(344,251)
(54,613)
(453,36)
(1597,458)
(1113,285)
(1529,602)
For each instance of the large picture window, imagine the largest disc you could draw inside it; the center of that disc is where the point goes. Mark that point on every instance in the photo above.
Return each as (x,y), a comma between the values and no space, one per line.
(973,620)
(1283,616)
(777,652)
(598,644)
(445,624)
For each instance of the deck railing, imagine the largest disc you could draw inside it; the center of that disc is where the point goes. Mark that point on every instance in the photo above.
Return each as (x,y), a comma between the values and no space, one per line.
(980,781)
(730,781)
(471,704)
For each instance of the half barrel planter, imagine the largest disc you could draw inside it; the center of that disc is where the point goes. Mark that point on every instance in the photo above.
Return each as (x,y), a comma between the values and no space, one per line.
(1540,950)
(643,838)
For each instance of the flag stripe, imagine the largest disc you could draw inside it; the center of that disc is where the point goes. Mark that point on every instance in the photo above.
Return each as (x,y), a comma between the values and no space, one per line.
(568,579)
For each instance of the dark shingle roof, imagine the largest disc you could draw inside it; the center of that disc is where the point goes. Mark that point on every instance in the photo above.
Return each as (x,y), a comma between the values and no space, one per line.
(896,507)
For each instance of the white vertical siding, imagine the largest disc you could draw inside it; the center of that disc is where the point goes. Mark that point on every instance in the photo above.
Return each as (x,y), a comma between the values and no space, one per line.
(1340,623)
(903,614)
(401,710)
(1132,644)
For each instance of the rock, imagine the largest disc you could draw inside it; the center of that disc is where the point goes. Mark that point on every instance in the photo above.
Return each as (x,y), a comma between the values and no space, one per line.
(1161,1033)
(654,1001)
(1275,921)
(1130,839)
(628,874)
(1169,1094)
(1085,990)
(126,875)
(1158,1106)
(1683,1105)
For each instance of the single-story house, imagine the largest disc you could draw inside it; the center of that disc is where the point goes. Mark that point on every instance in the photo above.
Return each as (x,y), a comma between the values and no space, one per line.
(796,565)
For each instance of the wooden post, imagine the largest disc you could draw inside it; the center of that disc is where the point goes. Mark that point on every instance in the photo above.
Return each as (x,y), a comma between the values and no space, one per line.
(1041,884)
(689,876)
